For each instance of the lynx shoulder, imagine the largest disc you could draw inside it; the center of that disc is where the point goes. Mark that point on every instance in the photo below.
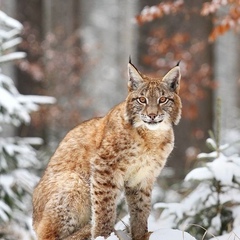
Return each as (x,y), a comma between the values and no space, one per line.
(123,151)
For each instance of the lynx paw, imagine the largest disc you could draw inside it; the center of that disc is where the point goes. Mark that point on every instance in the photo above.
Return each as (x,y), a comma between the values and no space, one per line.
(147,236)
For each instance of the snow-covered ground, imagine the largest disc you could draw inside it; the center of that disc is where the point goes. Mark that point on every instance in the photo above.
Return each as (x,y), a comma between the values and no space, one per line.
(165,234)
(158,231)
(174,234)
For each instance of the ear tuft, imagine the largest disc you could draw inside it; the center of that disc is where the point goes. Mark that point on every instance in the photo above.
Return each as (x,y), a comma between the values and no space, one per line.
(134,77)
(130,60)
(172,78)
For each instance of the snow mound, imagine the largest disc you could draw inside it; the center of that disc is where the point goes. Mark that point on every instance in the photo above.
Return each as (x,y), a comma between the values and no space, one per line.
(170,234)
(166,234)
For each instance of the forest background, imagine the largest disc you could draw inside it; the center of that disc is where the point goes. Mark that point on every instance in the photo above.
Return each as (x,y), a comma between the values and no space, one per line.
(77,51)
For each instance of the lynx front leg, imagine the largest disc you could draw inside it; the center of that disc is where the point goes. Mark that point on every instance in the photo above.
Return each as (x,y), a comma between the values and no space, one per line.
(104,194)
(139,204)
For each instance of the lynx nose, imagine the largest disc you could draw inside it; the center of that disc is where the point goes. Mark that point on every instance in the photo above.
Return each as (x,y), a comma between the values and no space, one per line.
(152,116)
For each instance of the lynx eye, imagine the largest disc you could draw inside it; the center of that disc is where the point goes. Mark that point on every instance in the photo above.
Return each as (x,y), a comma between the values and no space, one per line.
(162,99)
(142,100)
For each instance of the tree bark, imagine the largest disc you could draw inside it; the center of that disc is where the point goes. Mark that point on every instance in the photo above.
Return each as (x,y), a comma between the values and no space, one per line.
(227,75)
(107,39)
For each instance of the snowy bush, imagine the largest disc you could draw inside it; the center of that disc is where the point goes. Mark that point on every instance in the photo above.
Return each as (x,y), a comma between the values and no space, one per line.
(17,156)
(213,206)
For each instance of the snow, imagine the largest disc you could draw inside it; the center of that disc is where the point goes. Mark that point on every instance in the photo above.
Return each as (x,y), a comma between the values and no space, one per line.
(233,235)
(12,56)
(111,237)
(8,102)
(17,107)
(211,143)
(21,150)
(4,210)
(10,22)
(170,234)
(10,34)
(199,174)
(222,168)
(215,224)
(160,229)
(7,83)
(13,108)
(25,179)
(211,155)
(36,99)
(172,208)
(166,234)
(218,187)
(11,43)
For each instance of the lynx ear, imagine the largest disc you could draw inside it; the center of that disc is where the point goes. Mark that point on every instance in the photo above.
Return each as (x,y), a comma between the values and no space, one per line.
(134,77)
(172,78)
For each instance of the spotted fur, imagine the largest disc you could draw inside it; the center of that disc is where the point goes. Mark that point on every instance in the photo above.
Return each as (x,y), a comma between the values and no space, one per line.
(125,150)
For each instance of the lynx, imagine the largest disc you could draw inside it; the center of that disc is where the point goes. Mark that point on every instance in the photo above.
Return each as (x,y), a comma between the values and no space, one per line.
(125,150)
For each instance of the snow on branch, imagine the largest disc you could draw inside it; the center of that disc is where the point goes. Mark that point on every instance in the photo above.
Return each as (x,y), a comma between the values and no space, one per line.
(148,14)
(12,56)
(11,43)
(214,202)
(9,34)
(5,20)
(19,149)
(15,108)
(18,157)
(24,99)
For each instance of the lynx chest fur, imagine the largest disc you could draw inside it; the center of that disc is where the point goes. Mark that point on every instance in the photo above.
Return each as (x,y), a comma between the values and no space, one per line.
(125,150)
(145,162)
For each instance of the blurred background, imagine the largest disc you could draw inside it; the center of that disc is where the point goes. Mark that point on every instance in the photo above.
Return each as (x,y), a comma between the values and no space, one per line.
(77,52)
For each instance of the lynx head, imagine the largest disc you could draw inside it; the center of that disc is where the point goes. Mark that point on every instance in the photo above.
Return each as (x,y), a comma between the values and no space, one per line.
(153,103)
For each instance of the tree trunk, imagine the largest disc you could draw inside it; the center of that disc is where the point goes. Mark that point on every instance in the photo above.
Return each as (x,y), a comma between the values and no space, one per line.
(227,74)
(106,33)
